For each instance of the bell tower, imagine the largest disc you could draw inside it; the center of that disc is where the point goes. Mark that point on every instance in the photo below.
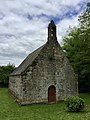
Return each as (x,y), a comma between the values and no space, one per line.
(52,32)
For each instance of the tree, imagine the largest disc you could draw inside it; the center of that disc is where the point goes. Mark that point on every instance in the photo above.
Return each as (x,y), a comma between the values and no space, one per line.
(4,74)
(77,48)
(84,19)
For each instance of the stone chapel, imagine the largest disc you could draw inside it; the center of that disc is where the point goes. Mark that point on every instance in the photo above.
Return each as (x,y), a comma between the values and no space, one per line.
(45,76)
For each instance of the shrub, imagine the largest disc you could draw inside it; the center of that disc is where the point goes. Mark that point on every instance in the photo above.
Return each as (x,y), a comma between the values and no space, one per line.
(75,104)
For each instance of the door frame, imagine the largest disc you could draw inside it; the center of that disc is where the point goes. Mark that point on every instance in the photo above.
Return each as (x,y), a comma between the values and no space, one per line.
(52,95)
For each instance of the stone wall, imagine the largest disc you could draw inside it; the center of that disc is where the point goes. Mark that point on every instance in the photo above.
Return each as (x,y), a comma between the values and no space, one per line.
(48,67)
(15,86)
(51,67)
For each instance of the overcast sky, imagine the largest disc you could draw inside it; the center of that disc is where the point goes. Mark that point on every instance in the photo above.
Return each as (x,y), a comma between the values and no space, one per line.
(23,25)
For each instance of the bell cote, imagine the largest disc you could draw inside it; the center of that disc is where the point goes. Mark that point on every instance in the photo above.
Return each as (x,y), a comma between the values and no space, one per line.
(52,32)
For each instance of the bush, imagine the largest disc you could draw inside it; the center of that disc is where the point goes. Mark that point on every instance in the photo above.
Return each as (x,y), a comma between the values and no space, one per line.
(75,104)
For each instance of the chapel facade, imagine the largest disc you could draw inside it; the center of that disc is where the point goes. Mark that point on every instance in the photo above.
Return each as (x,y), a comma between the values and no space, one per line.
(45,76)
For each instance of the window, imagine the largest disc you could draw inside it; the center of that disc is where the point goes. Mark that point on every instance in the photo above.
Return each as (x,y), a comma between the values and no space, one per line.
(51,34)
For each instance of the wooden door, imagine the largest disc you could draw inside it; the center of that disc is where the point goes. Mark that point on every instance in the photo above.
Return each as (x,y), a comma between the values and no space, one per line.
(51,94)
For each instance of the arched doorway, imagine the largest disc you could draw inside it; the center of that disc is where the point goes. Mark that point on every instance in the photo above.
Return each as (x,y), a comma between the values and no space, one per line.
(52,94)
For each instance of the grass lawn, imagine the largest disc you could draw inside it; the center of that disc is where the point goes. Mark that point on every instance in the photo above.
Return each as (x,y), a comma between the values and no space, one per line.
(9,110)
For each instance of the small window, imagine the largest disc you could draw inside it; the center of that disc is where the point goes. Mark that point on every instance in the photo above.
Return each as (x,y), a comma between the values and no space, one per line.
(51,34)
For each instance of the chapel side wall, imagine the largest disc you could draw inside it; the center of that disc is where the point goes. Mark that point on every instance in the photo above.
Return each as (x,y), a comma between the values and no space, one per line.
(15,86)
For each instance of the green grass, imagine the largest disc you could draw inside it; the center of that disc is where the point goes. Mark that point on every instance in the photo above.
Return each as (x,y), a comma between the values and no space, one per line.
(10,110)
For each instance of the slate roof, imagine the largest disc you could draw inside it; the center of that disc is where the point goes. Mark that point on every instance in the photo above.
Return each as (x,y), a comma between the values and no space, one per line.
(28,61)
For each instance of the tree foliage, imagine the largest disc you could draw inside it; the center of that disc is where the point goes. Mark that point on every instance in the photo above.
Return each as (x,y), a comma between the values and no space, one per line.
(77,48)
(4,74)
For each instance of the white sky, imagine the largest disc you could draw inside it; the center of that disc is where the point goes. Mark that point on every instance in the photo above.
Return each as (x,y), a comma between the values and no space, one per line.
(23,24)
